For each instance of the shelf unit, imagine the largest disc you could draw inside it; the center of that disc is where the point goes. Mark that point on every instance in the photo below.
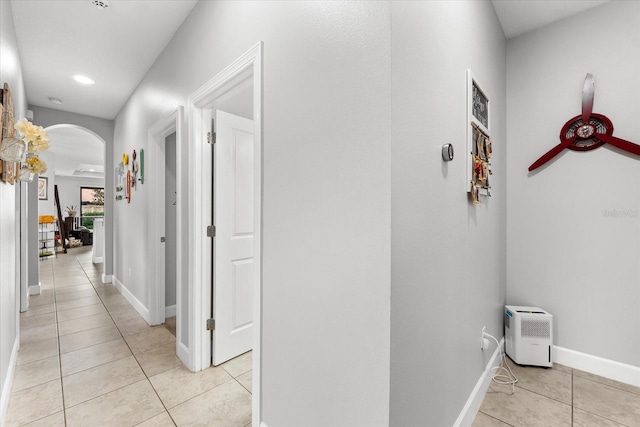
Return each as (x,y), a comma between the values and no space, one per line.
(47,236)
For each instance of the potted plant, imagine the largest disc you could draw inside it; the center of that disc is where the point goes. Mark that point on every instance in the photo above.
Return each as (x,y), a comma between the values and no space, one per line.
(71,210)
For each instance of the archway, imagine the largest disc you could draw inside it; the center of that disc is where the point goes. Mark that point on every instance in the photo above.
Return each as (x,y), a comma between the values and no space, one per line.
(76,158)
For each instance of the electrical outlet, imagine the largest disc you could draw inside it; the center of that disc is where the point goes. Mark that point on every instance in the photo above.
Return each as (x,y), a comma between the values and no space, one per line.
(482,338)
(484,341)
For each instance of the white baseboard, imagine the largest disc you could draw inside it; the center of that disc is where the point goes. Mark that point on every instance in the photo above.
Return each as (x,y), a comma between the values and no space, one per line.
(183,355)
(170,311)
(6,390)
(471,408)
(97,259)
(35,289)
(135,302)
(107,278)
(611,369)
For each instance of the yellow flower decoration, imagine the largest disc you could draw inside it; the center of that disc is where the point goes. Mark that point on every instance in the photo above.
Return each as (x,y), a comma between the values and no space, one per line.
(36,165)
(38,146)
(22,126)
(35,136)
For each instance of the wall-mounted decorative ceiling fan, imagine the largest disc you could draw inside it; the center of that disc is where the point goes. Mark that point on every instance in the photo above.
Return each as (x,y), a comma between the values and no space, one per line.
(587,131)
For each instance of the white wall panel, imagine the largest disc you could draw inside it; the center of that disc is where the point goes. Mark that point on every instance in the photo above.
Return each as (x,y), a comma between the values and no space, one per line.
(447,256)
(326,211)
(574,224)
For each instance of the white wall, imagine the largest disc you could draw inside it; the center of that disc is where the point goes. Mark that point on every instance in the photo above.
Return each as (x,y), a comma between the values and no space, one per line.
(11,73)
(447,256)
(326,194)
(565,254)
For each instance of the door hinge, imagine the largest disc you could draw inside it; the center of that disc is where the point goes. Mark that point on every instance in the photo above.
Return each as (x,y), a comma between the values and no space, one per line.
(211,137)
(162,239)
(211,231)
(211,324)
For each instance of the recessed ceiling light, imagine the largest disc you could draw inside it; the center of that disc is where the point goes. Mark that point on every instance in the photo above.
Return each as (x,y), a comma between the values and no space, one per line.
(56,101)
(84,80)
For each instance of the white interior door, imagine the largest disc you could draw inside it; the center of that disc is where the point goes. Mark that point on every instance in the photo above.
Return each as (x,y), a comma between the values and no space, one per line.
(233,243)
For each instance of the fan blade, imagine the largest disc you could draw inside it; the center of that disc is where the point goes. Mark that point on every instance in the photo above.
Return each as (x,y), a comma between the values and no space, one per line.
(587,98)
(551,153)
(620,143)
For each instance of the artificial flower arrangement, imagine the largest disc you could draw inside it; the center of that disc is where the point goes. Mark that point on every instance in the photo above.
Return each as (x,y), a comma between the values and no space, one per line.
(37,141)
(35,136)
(35,164)
(30,141)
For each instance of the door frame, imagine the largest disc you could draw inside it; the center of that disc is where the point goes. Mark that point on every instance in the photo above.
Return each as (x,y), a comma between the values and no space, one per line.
(249,65)
(155,179)
(25,237)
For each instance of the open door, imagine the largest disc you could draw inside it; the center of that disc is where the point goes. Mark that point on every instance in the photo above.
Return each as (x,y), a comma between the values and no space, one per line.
(233,258)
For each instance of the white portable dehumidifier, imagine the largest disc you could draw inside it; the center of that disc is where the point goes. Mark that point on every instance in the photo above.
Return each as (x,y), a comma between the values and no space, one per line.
(528,334)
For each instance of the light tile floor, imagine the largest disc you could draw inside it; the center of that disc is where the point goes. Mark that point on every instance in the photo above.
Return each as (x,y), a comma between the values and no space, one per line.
(559,396)
(88,359)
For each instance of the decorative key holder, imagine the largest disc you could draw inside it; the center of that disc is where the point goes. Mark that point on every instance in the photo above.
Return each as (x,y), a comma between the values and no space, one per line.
(481,152)
(479,148)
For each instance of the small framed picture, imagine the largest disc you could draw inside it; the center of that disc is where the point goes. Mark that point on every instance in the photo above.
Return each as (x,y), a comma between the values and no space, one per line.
(43,188)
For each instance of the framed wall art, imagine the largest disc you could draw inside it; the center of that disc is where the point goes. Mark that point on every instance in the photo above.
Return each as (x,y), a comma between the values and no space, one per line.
(43,188)
(479,146)
(119,181)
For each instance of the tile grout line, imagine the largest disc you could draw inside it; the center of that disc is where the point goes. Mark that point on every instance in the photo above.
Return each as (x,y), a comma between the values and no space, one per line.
(602,383)
(64,408)
(55,299)
(160,399)
(101,364)
(502,421)
(134,357)
(605,418)
(241,385)
(546,397)
(589,412)
(142,369)
(573,406)
(120,332)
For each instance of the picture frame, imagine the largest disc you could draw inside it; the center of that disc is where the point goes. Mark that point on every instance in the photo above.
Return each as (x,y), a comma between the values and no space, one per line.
(119,184)
(43,188)
(478,119)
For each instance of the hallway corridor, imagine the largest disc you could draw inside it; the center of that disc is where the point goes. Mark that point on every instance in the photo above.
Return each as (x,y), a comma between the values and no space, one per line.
(87,358)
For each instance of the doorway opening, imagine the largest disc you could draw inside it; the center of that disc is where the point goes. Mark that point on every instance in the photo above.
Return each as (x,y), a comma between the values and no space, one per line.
(76,158)
(166,230)
(170,234)
(237,90)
